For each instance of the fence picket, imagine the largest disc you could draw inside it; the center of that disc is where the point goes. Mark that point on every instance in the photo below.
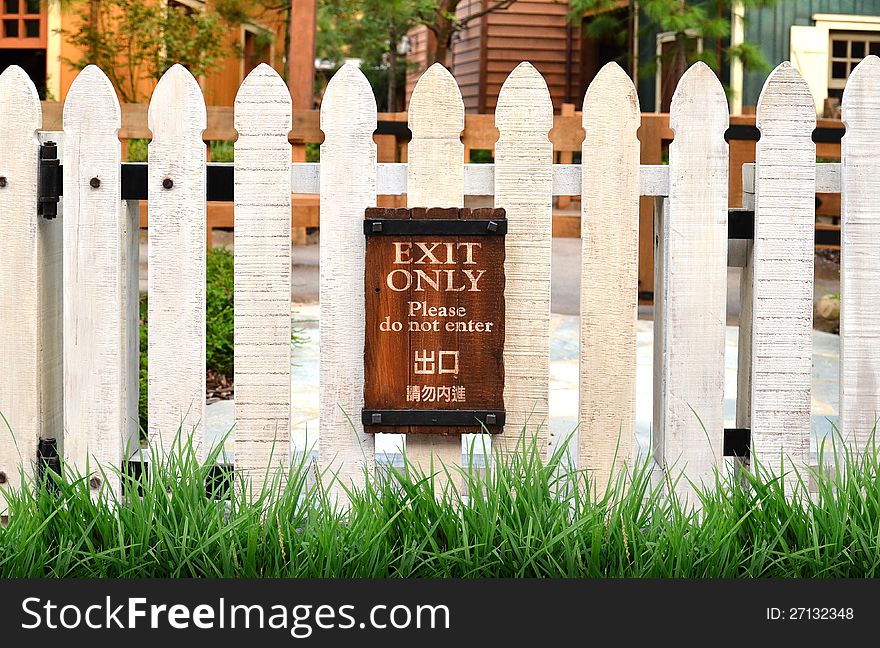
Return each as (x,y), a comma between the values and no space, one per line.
(524,187)
(100,431)
(609,274)
(691,285)
(782,309)
(263,118)
(435,178)
(176,260)
(860,251)
(29,274)
(348,187)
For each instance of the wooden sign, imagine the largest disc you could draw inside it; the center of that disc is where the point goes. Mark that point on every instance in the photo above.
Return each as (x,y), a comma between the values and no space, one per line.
(434,343)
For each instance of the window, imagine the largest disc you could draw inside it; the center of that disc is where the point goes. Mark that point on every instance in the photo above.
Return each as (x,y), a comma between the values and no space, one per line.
(846,50)
(21,24)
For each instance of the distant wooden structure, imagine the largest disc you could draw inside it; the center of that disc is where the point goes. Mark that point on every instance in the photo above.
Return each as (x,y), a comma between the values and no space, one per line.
(489,48)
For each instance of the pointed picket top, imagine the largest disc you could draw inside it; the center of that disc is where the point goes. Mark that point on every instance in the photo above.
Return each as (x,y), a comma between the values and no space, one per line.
(611,83)
(524,101)
(436,107)
(19,100)
(524,187)
(26,265)
(99,428)
(264,87)
(782,267)
(690,330)
(349,92)
(348,187)
(177,107)
(435,173)
(609,275)
(785,105)
(435,178)
(861,103)
(860,249)
(263,116)
(699,104)
(91,87)
(176,261)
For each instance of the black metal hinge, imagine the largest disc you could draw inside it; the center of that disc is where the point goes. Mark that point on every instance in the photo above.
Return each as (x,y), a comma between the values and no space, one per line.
(49,181)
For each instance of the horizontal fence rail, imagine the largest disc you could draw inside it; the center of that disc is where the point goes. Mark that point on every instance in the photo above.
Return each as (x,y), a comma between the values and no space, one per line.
(391,179)
(70,238)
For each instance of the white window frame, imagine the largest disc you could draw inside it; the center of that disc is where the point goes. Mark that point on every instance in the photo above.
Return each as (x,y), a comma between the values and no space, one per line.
(867,37)
(809,48)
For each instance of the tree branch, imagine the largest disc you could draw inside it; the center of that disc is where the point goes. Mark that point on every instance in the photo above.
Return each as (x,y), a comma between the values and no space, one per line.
(499,5)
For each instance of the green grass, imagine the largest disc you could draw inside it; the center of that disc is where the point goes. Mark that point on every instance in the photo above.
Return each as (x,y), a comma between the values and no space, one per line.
(515,523)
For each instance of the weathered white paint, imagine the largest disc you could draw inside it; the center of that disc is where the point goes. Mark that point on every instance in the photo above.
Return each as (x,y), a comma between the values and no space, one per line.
(435,178)
(860,257)
(523,186)
(99,427)
(782,309)
(348,187)
(29,250)
(479,179)
(692,286)
(176,261)
(263,118)
(609,275)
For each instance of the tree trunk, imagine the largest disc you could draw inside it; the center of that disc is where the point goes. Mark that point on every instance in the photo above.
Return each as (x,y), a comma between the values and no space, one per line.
(443,30)
(392,76)
(681,54)
(94,27)
(288,21)
(300,41)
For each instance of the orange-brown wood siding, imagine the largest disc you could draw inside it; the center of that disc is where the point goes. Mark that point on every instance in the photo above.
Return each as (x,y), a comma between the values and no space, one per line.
(537,31)
(466,56)
(421,39)
(488,49)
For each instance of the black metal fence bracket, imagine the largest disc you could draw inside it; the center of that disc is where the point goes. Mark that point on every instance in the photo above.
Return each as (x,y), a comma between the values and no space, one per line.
(442,418)
(737,442)
(49,181)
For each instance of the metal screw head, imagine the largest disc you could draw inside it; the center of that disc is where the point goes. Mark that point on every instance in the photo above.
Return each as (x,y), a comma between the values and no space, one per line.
(168,183)
(491,419)
(95,483)
(2,477)
(376,419)
(94,183)
(2,182)
(377,226)
(492,226)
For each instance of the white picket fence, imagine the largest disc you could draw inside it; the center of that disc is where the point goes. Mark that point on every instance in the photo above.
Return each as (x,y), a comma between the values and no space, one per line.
(71,372)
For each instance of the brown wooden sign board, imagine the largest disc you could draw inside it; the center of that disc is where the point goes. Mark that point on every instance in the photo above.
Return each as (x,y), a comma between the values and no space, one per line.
(434,343)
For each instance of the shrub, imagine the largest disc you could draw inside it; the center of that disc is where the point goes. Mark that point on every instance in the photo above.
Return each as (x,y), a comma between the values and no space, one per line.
(219,311)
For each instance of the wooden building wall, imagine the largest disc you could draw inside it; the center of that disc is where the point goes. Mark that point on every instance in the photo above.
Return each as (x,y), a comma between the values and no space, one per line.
(537,31)
(488,49)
